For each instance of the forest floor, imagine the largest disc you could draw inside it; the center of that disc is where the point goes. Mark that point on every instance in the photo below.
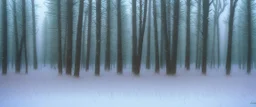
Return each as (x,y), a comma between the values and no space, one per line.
(45,88)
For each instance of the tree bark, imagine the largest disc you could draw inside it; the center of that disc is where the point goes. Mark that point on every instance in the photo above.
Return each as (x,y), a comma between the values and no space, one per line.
(4,36)
(89,35)
(79,38)
(69,37)
(119,39)
(98,37)
(156,38)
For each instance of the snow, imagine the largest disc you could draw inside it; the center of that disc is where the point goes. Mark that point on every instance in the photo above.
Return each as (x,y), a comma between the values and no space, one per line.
(45,88)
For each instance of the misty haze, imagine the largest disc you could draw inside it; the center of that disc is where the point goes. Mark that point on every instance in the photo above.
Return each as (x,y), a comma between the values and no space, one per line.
(128,53)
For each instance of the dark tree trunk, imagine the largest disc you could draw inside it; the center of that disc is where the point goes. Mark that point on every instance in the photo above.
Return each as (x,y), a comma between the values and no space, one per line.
(89,35)
(25,33)
(198,40)
(79,38)
(230,35)
(165,34)
(119,39)
(206,7)
(176,18)
(156,38)
(59,38)
(134,35)
(98,37)
(4,35)
(187,59)
(148,39)
(69,37)
(249,30)
(34,35)
(108,52)
(16,35)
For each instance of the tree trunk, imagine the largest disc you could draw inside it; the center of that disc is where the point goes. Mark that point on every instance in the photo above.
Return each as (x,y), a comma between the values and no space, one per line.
(176,18)
(206,6)
(198,37)
(79,38)
(69,37)
(98,37)
(156,38)
(249,21)
(4,35)
(25,33)
(89,35)
(59,38)
(108,44)
(16,35)
(187,59)
(134,35)
(34,35)
(148,39)
(119,39)
(230,35)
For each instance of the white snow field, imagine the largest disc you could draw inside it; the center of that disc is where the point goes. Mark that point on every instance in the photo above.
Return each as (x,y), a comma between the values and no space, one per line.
(45,88)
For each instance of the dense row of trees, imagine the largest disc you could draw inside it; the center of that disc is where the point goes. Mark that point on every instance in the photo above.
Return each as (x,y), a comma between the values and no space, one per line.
(120,33)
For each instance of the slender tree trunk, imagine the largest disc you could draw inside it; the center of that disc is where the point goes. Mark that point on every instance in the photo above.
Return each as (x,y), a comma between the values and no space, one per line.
(156,38)
(214,38)
(16,35)
(69,37)
(34,35)
(230,35)
(176,18)
(79,38)
(187,59)
(108,44)
(148,39)
(249,21)
(98,37)
(218,40)
(4,36)
(89,35)
(59,39)
(134,35)
(206,7)
(198,40)
(119,39)
(25,33)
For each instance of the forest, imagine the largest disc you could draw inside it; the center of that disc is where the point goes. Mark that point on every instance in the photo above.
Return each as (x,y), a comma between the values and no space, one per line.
(72,36)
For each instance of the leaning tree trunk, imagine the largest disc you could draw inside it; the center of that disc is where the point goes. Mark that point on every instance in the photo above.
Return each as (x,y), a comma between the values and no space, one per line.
(176,18)
(108,43)
(187,59)
(34,35)
(98,40)
(206,7)
(119,39)
(79,38)
(69,37)
(4,35)
(89,35)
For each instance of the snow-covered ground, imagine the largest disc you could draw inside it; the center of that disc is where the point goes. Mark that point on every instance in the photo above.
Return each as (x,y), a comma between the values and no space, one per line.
(44,88)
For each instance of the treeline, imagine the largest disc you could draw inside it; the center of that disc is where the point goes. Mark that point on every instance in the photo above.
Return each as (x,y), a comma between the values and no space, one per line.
(128,34)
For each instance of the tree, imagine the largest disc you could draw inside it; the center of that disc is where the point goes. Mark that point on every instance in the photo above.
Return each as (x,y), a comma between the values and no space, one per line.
(69,36)
(249,30)
(198,33)
(34,35)
(79,38)
(89,35)
(206,7)
(134,35)
(98,36)
(176,19)
(219,7)
(148,39)
(59,37)
(4,35)
(187,59)
(108,44)
(119,39)
(156,38)
(233,4)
